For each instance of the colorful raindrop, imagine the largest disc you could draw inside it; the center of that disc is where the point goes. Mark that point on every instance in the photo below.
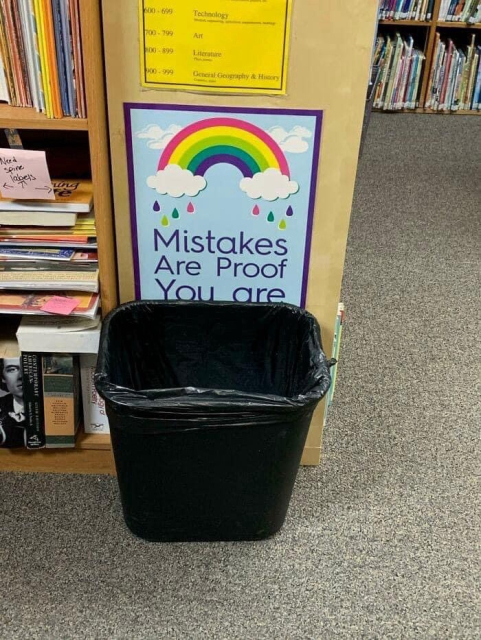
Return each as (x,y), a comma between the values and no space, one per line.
(165,221)
(190,208)
(256,211)
(282,225)
(271,217)
(290,211)
(156,207)
(175,214)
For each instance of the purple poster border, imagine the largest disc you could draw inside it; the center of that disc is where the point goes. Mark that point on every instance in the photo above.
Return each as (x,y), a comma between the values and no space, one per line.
(129,106)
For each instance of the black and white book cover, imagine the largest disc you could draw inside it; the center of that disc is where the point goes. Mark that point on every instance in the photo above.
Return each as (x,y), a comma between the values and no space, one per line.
(12,410)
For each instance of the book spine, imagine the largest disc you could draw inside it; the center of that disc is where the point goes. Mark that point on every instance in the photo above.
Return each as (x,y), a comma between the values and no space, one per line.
(95,415)
(472,78)
(477,89)
(60,394)
(45,73)
(33,400)
(36,55)
(61,53)
(52,58)
(6,56)
(28,50)
(13,53)
(68,57)
(417,80)
(79,69)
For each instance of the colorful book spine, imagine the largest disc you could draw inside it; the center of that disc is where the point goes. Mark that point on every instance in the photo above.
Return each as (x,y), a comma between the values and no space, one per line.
(61,400)
(95,414)
(33,399)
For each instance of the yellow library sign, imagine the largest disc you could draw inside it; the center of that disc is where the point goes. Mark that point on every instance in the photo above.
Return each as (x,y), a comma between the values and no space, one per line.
(220,46)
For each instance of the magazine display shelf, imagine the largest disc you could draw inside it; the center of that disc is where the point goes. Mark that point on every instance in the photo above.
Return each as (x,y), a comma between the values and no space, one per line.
(431,27)
(92,453)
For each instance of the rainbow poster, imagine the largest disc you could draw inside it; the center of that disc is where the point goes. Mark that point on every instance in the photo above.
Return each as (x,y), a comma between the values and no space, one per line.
(222,201)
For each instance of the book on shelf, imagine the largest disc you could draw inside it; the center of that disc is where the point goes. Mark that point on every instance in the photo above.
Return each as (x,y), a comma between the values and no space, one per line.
(59,334)
(95,415)
(49,275)
(84,227)
(71,196)
(31,303)
(468,11)
(41,64)
(35,218)
(12,405)
(61,399)
(418,10)
(336,352)
(55,380)
(33,397)
(19,255)
(455,77)
(49,242)
(400,64)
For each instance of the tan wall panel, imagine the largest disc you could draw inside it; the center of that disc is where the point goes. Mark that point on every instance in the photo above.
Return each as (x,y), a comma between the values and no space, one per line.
(329,69)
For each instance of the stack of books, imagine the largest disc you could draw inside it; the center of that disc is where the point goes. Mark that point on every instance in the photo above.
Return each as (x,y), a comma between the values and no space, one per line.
(49,248)
(46,374)
(41,56)
(460,11)
(399,79)
(455,77)
(407,9)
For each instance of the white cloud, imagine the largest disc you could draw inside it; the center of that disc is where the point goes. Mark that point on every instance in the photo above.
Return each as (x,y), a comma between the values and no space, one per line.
(157,137)
(176,182)
(292,141)
(269,185)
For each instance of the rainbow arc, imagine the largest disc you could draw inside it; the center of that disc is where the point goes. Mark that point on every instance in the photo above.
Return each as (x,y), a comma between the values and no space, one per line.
(204,144)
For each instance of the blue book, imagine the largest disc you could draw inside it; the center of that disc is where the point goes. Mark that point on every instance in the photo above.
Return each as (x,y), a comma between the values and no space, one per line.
(60,50)
(68,51)
(397,9)
(451,10)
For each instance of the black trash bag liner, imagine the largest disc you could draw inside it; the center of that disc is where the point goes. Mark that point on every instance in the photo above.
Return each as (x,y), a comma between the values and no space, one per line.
(209,406)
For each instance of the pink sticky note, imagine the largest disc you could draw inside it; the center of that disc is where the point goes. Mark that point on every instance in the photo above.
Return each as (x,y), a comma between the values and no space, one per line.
(61,306)
(24,175)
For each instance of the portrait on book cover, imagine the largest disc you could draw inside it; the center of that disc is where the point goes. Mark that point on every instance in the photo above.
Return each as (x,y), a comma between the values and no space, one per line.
(12,412)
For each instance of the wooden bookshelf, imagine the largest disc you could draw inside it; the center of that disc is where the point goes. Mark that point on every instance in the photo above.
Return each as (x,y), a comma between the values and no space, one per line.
(432,27)
(96,126)
(92,453)
(28,118)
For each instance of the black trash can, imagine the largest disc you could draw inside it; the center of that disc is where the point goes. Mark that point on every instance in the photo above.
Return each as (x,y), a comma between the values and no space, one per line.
(209,407)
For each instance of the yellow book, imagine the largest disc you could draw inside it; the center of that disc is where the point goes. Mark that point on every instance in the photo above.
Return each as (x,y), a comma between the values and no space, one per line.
(42,45)
(52,58)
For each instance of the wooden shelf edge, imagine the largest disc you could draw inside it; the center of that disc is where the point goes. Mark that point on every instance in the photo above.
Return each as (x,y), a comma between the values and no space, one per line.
(458,25)
(92,441)
(406,23)
(83,461)
(28,118)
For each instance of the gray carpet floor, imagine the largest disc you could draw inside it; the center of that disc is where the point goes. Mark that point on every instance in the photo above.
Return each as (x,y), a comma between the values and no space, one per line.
(382,540)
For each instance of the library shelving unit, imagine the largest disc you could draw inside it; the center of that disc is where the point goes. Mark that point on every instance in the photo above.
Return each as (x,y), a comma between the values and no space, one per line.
(426,31)
(92,453)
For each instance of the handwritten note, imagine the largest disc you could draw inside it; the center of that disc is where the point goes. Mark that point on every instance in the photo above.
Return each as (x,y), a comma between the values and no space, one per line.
(24,175)
(61,306)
